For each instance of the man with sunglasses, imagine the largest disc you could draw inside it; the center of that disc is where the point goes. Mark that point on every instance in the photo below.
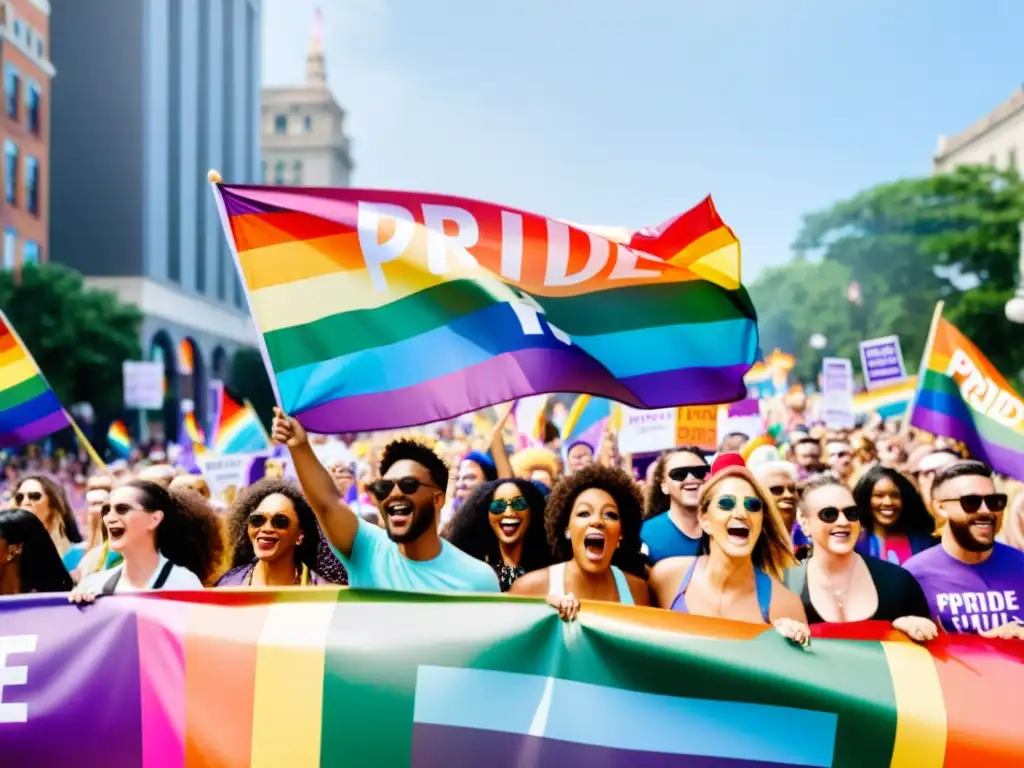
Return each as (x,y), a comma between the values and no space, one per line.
(973,583)
(671,528)
(409,555)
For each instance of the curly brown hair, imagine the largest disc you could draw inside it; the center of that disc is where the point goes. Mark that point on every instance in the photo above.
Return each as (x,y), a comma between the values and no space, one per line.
(656,500)
(245,504)
(623,489)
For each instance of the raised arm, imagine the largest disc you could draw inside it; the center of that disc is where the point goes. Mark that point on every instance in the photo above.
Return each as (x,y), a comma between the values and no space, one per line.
(497,443)
(339,523)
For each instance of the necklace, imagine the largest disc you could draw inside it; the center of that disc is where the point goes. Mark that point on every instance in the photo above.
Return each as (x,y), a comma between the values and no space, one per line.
(839,595)
(297,579)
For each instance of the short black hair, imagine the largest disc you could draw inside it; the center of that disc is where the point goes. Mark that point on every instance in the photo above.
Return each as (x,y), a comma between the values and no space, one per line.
(962,468)
(807,440)
(413,450)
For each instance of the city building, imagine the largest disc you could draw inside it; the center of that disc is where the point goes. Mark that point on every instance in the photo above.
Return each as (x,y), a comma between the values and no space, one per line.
(25,130)
(996,139)
(155,94)
(302,128)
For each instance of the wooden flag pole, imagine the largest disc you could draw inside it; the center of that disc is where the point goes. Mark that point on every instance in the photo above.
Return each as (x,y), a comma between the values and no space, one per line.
(84,442)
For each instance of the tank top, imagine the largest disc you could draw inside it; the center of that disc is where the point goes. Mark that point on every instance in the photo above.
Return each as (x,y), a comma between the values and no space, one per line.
(556,583)
(762,585)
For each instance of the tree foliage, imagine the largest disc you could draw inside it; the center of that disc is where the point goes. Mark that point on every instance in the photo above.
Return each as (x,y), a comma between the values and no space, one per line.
(78,336)
(248,377)
(907,244)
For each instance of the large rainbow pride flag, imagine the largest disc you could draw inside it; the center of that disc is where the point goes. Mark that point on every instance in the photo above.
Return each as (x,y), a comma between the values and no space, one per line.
(29,408)
(961,395)
(380,310)
(316,677)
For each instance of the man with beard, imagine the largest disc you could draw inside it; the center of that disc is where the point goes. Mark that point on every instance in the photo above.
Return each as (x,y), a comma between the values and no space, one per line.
(807,456)
(670,506)
(410,555)
(973,583)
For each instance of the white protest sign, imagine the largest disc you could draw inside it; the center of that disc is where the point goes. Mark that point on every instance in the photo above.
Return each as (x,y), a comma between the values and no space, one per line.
(227,474)
(646,431)
(837,393)
(143,385)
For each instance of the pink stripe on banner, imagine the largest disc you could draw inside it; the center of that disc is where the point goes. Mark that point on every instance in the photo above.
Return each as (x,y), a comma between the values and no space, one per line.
(161,633)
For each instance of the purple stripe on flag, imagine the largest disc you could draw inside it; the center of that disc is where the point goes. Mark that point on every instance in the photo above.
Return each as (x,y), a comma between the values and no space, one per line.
(1002,459)
(443,746)
(61,679)
(747,407)
(518,374)
(34,430)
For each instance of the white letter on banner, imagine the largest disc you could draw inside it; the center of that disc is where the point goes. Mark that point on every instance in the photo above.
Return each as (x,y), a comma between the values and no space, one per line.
(439,242)
(375,253)
(1008,410)
(528,313)
(556,274)
(626,264)
(959,364)
(511,246)
(14,712)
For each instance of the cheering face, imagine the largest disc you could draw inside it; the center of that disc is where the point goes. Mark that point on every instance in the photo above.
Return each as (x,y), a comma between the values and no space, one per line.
(509,514)
(973,510)
(831,518)
(886,503)
(470,476)
(274,528)
(684,476)
(734,517)
(129,524)
(595,529)
(782,487)
(409,500)
(580,456)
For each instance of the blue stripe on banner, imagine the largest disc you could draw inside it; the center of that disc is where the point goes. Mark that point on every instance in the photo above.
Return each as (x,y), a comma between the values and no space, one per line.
(39,406)
(494,330)
(550,707)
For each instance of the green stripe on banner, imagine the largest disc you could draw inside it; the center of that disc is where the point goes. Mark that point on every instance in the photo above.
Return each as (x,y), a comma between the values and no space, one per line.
(612,311)
(22,393)
(990,429)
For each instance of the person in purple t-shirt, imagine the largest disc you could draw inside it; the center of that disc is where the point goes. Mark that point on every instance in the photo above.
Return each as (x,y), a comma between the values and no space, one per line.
(973,583)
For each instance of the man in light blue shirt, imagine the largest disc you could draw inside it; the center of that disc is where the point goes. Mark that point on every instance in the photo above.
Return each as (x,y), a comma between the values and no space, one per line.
(410,556)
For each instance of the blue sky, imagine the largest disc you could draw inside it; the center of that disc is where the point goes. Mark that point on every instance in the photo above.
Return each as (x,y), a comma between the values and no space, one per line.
(624,113)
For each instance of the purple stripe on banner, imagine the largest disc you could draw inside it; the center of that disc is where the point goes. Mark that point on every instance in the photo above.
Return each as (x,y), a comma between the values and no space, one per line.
(1002,460)
(81,657)
(518,374)
(35,430)
(443,746)
(747,407)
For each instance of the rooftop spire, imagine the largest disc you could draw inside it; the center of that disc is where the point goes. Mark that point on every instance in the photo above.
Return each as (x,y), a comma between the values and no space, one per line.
(316,71)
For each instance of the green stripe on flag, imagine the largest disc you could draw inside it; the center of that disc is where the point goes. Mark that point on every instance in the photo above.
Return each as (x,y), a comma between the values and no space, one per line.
(22,393)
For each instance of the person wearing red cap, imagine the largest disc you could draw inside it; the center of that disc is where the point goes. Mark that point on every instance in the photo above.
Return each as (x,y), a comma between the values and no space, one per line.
(743,554)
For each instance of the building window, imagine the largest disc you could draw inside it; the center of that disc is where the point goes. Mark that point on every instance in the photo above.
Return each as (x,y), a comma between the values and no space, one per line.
(12,87)
(307,124)
(32,185)
(11,172)
(281,124)
(17,29)
(279,172)
(39,47)
(10,248)
(34,104)
(297,172)
(30,252)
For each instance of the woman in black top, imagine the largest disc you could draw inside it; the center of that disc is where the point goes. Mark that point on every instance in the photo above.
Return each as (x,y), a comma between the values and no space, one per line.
(838,585)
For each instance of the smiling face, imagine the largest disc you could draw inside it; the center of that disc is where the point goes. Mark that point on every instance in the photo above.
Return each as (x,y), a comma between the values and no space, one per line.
(684,475)
(975,530)
(580,455)
(836,532)
(733,517)
(782,487)
(470,476)
(509,514)
(412,502)
(595,529)
(886,503)
(273,528)
(129,526)
(32,496)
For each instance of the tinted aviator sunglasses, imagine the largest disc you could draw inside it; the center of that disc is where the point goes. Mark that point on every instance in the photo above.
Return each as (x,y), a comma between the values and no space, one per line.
(381,489)
(519,504)
(971,503)
(278,522)
(750,503)
(32,496)
(679,473)
(831,514)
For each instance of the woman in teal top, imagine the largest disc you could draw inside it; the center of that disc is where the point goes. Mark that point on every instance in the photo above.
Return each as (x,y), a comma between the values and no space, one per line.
(593,520)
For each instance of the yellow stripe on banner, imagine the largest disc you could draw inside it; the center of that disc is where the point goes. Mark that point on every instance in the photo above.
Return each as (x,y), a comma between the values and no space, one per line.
(920,707)
(14,374)
(288,698)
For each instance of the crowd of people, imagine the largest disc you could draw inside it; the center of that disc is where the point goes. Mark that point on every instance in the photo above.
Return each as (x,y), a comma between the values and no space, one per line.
(827,525)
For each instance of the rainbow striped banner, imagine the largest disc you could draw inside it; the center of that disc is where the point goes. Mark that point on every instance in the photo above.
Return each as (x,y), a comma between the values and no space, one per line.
(889,402)
(326,676)
(381,310)
(588,420)
(119,439)
(29,409)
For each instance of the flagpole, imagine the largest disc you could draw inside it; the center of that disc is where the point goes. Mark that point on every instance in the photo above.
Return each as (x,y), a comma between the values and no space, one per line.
(936,316)
(84,442)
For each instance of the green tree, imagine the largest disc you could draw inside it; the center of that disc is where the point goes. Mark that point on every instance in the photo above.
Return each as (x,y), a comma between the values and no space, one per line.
(78,336)
(248,377)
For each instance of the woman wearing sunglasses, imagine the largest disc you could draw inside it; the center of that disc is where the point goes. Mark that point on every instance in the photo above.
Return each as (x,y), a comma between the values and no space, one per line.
(47,500)
(275,538)
(744,551)
(836,584)
(502,524)
(897,525)
(670,509)
(169,540)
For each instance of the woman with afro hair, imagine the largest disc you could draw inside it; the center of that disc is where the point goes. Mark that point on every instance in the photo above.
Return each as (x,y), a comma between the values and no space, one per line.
(593,521)
(502,523)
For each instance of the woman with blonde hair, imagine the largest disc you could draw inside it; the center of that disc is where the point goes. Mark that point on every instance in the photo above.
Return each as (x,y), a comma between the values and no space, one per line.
(46,499)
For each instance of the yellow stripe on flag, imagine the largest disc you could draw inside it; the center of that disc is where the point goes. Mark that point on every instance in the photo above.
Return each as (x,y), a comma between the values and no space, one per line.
(920,708)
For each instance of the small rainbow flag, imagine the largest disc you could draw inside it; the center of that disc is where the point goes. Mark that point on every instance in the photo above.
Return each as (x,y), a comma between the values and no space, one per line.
(381,310)
(119,439)
(239,430)
(192,430)
(962,396)
(588,420)
(889,402)
(29,409)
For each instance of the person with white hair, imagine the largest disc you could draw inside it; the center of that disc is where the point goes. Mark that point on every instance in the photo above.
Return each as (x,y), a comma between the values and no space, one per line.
(779,477)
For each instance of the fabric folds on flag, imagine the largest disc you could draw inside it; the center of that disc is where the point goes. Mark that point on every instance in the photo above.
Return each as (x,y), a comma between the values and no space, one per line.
(382,310)
(239,429)
(29,409)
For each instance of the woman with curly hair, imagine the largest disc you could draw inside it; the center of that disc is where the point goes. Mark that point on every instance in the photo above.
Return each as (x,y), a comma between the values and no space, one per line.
(275,535)
(502,523)
(46,499)
(28,560)
(593,521)
(168,539)
(670,507)
(896,523)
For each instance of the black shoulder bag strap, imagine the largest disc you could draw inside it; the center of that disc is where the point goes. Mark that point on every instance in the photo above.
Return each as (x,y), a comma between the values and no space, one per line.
(165,574)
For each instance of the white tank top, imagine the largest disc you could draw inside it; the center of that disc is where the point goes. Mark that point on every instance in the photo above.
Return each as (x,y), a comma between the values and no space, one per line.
(556,583)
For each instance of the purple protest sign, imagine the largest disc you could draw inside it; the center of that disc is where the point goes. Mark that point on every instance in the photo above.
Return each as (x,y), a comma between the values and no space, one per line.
(882,361)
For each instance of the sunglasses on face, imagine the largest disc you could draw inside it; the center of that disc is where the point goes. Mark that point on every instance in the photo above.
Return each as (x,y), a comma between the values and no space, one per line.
(778,490)
(831,514)
(519,504)
(971,503)
(119,509)
(381,489)
(279,522)
(33,496)
(750,503)
(678,474)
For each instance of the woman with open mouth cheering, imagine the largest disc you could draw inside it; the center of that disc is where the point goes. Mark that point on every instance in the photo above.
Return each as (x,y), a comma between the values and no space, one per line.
(838,585)
(743,554)
(502,523)
(593,523)
(896,523)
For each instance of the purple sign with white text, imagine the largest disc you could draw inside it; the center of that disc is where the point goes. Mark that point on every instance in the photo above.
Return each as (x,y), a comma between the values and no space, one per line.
(882,362)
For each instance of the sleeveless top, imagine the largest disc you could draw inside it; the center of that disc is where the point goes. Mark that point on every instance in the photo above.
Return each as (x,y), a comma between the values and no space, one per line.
(556,583)
(762,585)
